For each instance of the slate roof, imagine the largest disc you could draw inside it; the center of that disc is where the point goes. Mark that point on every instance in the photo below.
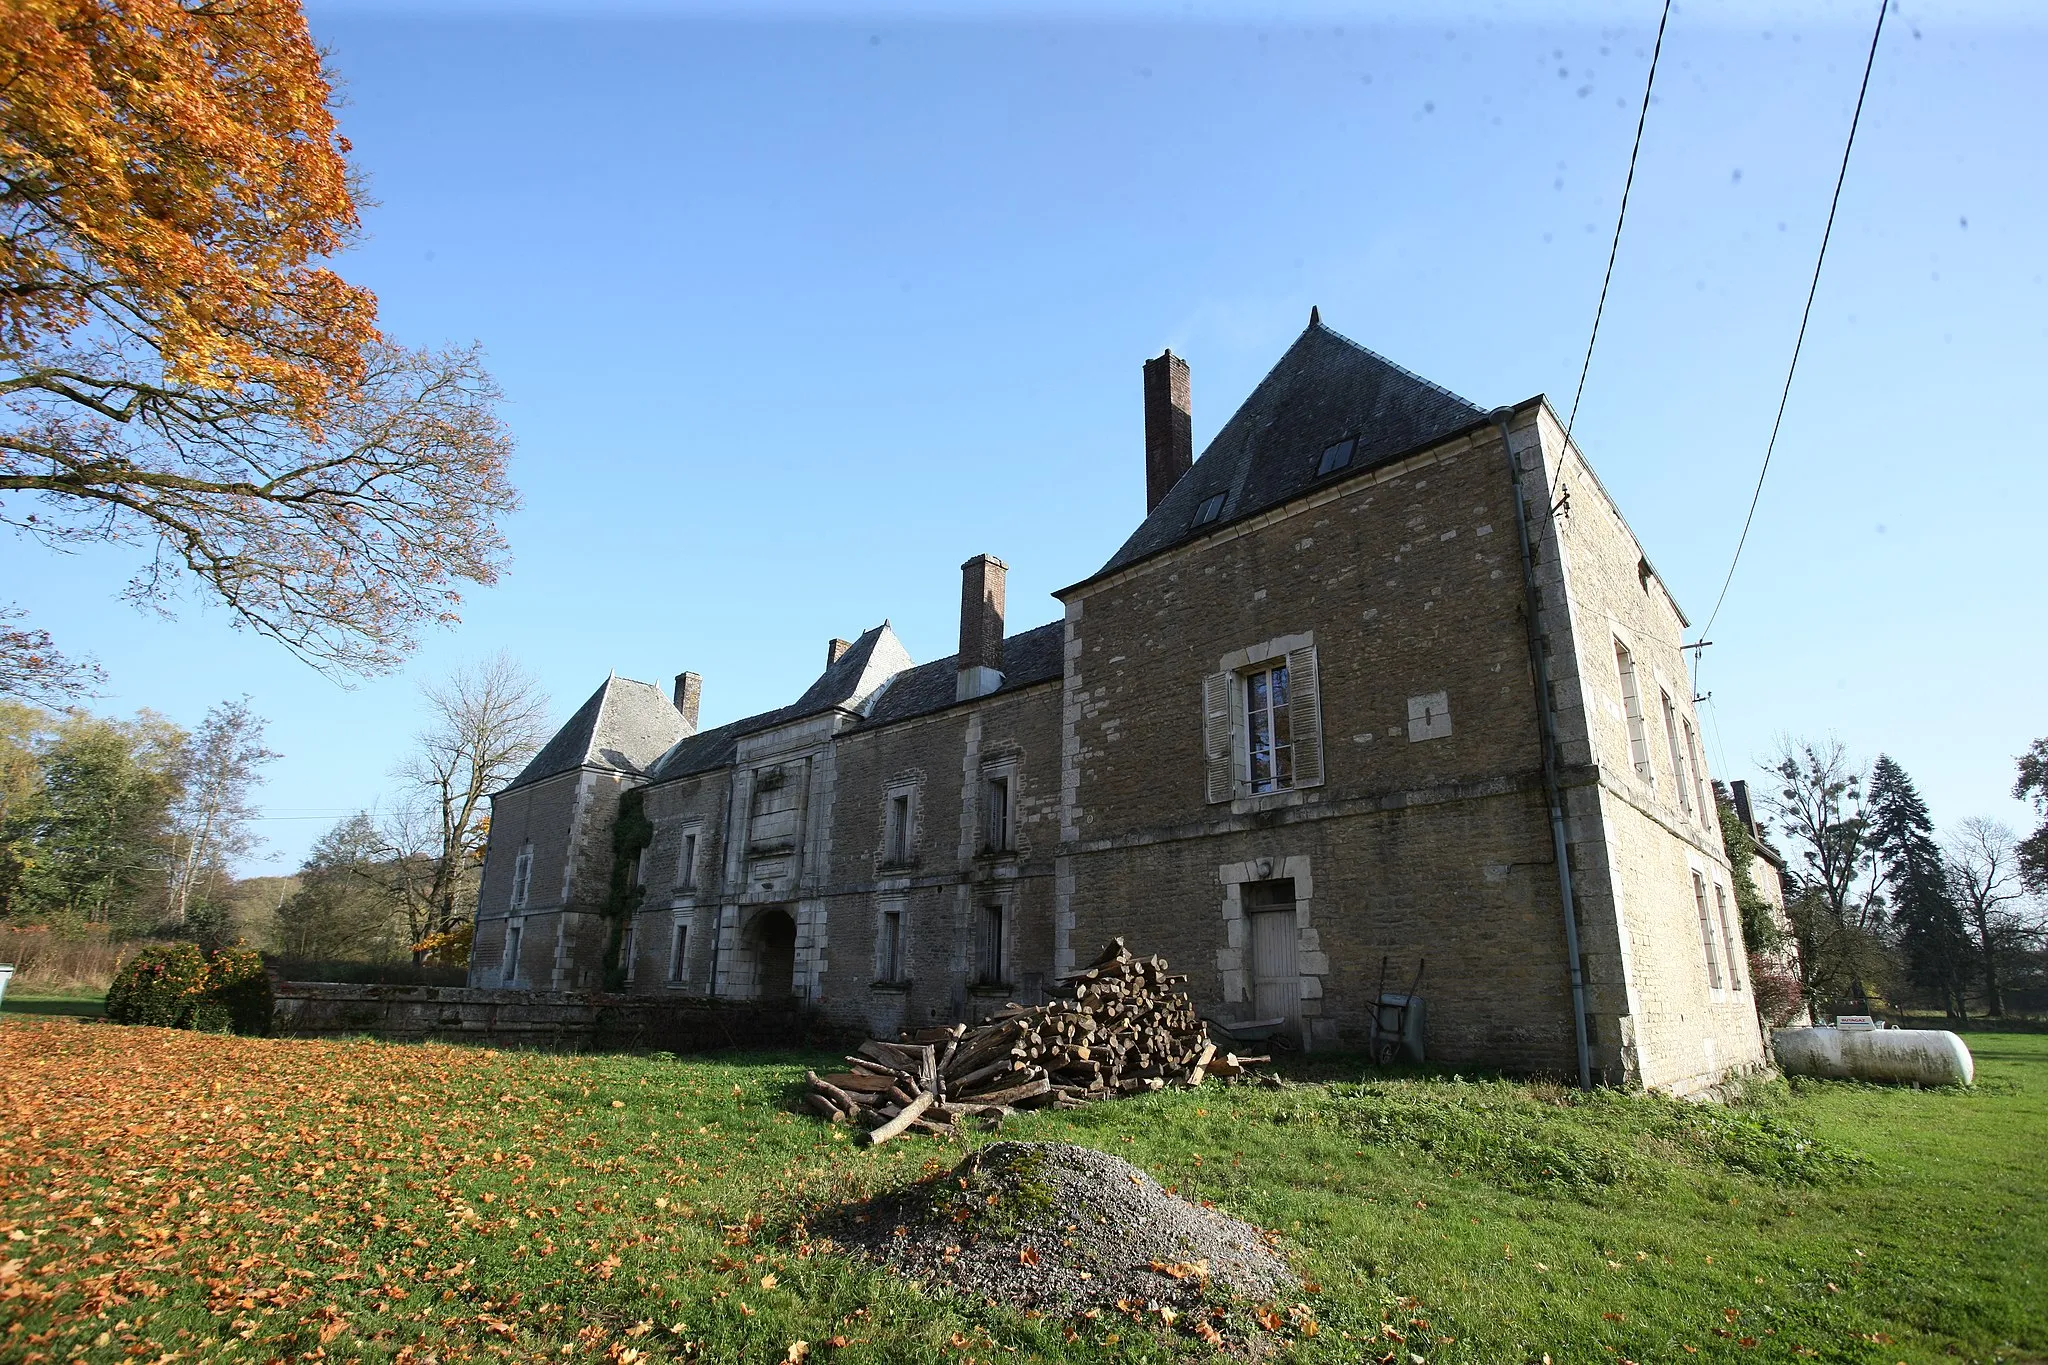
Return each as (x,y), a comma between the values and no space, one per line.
(1035,656)
(1325,388)
(625,726)
(1030,657)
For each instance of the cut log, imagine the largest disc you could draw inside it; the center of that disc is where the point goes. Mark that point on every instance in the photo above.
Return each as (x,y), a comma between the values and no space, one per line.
(902,1121)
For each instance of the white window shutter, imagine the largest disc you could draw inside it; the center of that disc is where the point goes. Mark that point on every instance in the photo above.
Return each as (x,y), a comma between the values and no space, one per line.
(1216,735)
(1305,716)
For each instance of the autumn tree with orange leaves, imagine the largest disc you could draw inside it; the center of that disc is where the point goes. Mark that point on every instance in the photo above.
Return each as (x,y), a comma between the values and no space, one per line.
(180,370)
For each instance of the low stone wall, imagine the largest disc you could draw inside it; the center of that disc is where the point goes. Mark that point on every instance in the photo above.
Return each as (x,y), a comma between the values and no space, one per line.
(573,1021)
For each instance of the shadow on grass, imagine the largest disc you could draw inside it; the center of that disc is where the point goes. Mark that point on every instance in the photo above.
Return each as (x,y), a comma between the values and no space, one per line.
(87,1007)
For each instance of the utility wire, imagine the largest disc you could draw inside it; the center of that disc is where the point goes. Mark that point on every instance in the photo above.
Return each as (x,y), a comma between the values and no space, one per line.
(1619,218)
(1811,289)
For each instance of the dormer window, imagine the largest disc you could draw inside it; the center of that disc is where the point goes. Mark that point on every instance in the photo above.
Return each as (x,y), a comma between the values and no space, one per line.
(1337,456)
(1211,508)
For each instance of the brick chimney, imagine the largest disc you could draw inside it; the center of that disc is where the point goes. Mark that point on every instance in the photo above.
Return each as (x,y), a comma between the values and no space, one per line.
(981,627)
(835,650)
(689,691)
(1738,791)
(1169,426)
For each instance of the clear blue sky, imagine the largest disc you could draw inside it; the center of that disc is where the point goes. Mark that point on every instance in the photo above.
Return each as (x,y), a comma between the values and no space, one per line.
(797,312)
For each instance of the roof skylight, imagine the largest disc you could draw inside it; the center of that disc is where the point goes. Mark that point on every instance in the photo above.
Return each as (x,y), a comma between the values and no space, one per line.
(1337,456)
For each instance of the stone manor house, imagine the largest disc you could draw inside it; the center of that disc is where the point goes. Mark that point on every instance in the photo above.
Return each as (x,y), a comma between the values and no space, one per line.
(1382,683)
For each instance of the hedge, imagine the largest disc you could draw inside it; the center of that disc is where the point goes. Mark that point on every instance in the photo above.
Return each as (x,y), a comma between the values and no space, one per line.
(175,985)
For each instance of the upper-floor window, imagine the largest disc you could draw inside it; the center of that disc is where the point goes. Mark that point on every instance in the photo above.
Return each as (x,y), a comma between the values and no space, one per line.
(1680,770)
(1699,895)
(1699,773)
(1632,708)
(522,876)
(896,828)
(1262,721)
(998,818)
(686,862)
(1337,456)
(1728,939)
(1269,739)
(778,795)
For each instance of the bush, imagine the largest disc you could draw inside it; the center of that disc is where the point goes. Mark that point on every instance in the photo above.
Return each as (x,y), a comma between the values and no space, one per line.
(159,986)
(1776,990)
(237,984)
(175,985)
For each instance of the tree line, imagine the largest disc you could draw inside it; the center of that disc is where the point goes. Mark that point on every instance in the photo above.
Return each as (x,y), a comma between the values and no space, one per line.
(131,829)
(1881,905)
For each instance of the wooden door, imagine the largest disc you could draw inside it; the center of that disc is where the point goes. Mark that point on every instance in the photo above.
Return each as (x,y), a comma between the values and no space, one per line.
(1276,978)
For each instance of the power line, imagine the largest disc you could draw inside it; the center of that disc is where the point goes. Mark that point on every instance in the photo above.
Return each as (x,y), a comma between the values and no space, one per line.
(1811,290)
(1619,218)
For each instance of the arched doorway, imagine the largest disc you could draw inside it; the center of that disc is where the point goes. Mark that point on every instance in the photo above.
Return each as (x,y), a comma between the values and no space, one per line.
(772,938)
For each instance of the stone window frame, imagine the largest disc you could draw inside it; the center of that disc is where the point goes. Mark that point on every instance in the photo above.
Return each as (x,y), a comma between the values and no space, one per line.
(522,877)
(897,978)
(1226,734)
(515,939)
(1681,777)
(988,843)
(1004,902)
(1723,901)
(681,922)
(1635,727)
(1709,813)
(1712,948)
(689,854)
(1233,963)
(899,843)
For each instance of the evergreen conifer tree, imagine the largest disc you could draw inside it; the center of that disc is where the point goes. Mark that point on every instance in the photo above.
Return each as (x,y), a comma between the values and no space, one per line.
(1931,933)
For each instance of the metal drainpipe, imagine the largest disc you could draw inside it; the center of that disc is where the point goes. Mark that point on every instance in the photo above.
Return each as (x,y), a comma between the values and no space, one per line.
(1532,602)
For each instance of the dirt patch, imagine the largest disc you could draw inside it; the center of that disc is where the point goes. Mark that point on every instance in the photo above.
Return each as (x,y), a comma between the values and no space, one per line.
(1063,1229)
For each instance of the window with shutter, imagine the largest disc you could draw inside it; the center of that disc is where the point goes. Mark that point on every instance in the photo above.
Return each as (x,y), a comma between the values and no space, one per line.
(1699,895)
(1216,735)
(1305,714)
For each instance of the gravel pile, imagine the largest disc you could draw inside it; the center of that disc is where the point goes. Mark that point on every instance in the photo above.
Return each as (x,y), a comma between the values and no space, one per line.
(1060,1228)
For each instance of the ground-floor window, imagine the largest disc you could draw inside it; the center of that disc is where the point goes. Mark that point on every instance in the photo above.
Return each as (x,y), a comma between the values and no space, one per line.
(991,967)
(513,933)
(679,954)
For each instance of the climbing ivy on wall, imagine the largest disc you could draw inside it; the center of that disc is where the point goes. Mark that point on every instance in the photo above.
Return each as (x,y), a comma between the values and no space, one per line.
(632,832)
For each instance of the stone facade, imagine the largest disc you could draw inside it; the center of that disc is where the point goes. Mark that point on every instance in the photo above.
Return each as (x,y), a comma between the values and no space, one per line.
(1289,737)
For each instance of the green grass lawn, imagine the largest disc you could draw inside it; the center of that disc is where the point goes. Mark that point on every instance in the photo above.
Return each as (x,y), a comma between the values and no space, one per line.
(238,1199)
(83,1003)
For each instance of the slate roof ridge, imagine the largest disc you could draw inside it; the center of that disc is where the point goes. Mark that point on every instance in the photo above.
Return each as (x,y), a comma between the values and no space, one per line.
(1393,365)
(1324,388)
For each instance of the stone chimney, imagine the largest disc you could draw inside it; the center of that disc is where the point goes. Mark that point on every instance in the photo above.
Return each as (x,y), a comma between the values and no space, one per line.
(689,691)
(835,650)
(1169,426)
(981,627)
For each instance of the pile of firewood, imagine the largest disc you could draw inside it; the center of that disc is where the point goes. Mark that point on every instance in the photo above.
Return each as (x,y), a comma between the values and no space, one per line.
(1122,1025)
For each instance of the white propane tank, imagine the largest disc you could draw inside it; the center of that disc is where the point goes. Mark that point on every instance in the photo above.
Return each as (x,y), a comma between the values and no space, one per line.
(1923,1055)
